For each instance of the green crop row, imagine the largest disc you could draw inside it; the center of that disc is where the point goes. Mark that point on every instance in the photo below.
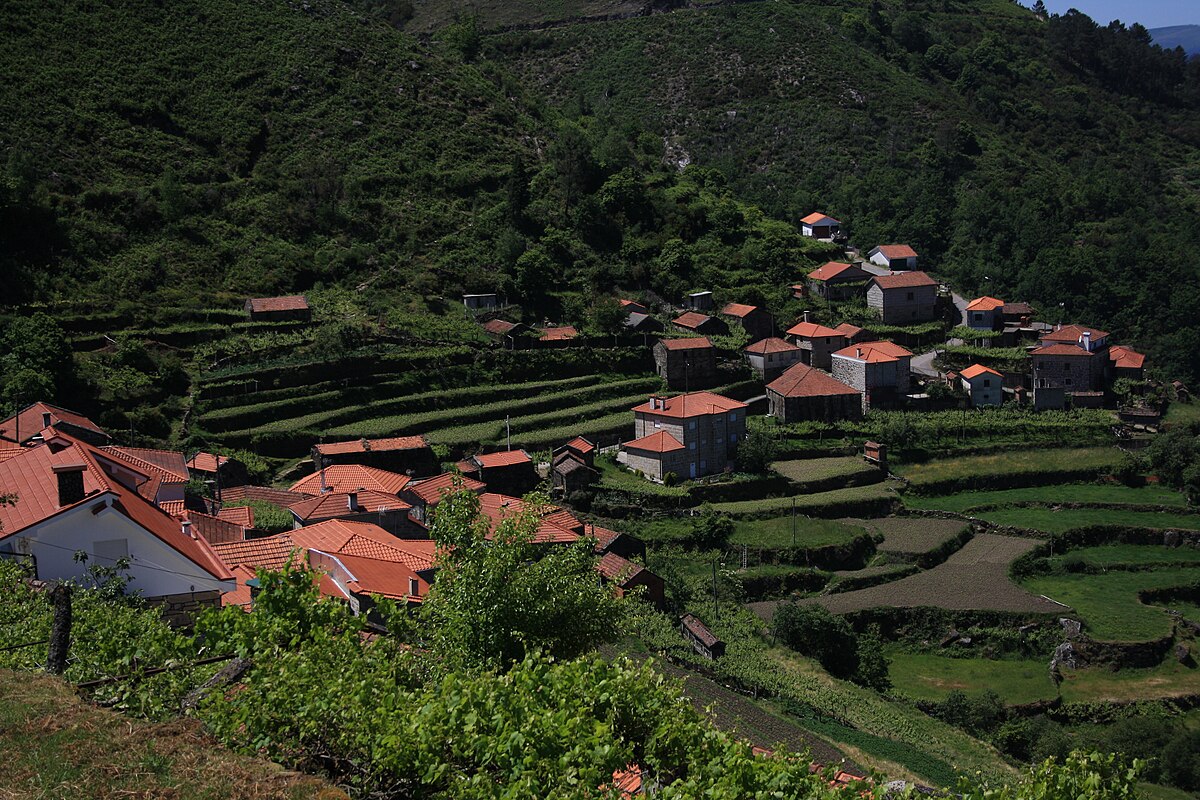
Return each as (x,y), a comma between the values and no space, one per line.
(494,429)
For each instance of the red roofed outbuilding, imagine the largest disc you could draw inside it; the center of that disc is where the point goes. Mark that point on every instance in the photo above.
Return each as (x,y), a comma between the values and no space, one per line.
(819,226)
(837,280)
(984,385)
(363,505)
(686,363)
(754,320)
(29,423)
(985,313)
(1125,362)
(424,495)
(506,471)
(894,256)
(408,455)
(817,343)
(806,393)
(695,322)
(770,357)
(629,577)
(279,309)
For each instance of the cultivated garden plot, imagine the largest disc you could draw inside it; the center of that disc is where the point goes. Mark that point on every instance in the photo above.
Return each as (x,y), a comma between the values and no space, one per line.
(813,470)
(780,533)
(974,578)
(837,502)
(1051,520)
(915,535)
(1101,494)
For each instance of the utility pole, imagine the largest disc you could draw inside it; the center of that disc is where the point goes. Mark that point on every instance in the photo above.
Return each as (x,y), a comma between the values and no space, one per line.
(716,606)
(793,523)
(507,431)
(60,629)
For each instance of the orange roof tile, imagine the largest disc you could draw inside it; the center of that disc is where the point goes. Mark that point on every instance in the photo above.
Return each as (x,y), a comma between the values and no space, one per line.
(615,568)
(891,251)
(631,304)
(581,444)
(279,497)
(565,519)
(1125,357)
(817,217)
(238,515)
(558,334)
(350,478)
(738,310)
(661,442)
(296,302)
(372,445)
(337,504)
(27,422)
(384,578)
(696,404)
(904,280)
(697,343)
(431,490)
(268,552)
(772,344)
(832,269)
(848,330)
(169,465)
(802,380)
(604,536)
(1063,350)
(214,529)
(206,462)
(503,458)
(1072,334)
(499,327)
(975,370)
(367,541)
(498,507)
(874,352)
(985,303)
(691,320)
(811,330)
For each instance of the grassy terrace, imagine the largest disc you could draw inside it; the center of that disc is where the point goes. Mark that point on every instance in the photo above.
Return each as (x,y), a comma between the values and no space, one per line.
(811,470)
(915,534)
(776,533)
(1140,555)
(1109,494)
(1013,465)
(811,502)
(1051,521)
(1108,604)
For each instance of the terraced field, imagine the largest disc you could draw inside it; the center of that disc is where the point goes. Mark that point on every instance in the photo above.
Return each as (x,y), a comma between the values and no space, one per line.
(915,535)
(976,577)
(814,470)
(1008,469)
(1051,520)
(846,501)
(924,676)
(1099,493)
(777,533)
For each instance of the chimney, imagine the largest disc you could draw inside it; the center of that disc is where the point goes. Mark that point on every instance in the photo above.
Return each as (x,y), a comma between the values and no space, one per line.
(186,527)
(858,352)
(366,445)
(806,316)
(45,420)
(1087,341)
(70,482)
(352,501)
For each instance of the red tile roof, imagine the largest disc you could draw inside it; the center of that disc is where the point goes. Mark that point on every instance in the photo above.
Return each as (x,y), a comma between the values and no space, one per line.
(631,304)
(874,352)
(351,478)
(802,380)
(7,452)
(696,404)
(738,310)
(31,478)
(1125,358)
(431,490)
(1017,309)
(691,320)
(366,541)
(173,507)
(818,218)
(697,343)
(1073,334)
(238,515)
(168,465)
(904,280)
(279,497)
(891,251)
(503,458)
(604,536)
(615,568)
(975,370)
(296,302)
(558,334)
(268,552)
(565,519)
(581,444)
(832,269)
(661,442)
(372,445)
(772,344)
(699,629)
(337,504)
(498,507)
(848,330)
(384,578)
(499,327)
(27,422)
(811,330)
(1063,350)
(985,303)
(206,462)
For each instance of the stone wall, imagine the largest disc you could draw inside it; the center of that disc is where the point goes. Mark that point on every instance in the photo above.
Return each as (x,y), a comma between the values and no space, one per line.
(181,610)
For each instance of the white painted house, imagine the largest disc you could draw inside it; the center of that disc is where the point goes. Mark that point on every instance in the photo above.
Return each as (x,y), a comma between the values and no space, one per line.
(985,386)
(819,226)
(894,256)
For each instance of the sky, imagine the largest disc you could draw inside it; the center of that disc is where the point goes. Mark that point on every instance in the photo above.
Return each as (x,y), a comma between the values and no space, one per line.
(1151,13)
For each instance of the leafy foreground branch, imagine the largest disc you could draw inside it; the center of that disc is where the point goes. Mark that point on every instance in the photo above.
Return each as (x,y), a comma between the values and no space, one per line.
(501,707)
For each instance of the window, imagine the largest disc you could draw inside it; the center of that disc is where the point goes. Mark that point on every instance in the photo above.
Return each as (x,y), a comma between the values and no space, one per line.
(692,445)
(692,425)
(733,416)
(414,587)
(733,437)
(987,383)
(911,296)
(1067,381)
(703,464)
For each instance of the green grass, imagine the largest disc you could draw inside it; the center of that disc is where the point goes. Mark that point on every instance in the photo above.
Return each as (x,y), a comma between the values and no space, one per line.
(1009,464)
(776,533)
(1050,521)
(963,502)
(1181,414)
(1102,685)
(565,418)
(819,500)
(923,676)
(614,476)
(1111,555)
(1108,604)
(811,470)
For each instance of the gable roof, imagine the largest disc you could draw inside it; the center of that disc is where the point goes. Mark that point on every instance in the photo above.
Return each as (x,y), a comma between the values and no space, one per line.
(266,494)
(660,442)
(890,251)
(558,334)
(375,576)
(985,303)
(295,302)
(696,343)
(618,569)
(351,477)
(268,552)
(630,303)
(874,352)
(372,445)
(31,478)
(604,537)
(833,269)
(811,330)
(1063,350)
(206,462)
(1125,357)
(848,330)
(337,504)
(499,327)
(498,507)
(431,490)
(771,344)
(699,629)
(801,380)
(817,218)
(502,458)
(168,465)
(238,515)
(581,444)
(738,310)
(695,404)
(366,541)
(975,370)
(214,529)
(903,280)
(1017,309)
(1073,334)
(691,319)
(27,422)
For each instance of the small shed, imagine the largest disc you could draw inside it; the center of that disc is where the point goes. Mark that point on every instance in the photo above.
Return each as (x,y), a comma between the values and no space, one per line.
(476,302)
(279,309)
(703,641)
(699,301)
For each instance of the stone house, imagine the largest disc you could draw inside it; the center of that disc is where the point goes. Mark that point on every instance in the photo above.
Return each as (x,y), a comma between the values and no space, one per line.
(817,343)
(1124,362)
(695,322)
(279,309)
(881,371)
(642,323)
(985,314)
(424,495)
(366,505)
(903,298)
(836,280)
(894,256)
(854,334)
(513,335)
(985,386)
(31,421)
(806,393)
(573,465)
(691,435)
(686,363)
(819,226)
(754,320)
(509,472)
(770,357)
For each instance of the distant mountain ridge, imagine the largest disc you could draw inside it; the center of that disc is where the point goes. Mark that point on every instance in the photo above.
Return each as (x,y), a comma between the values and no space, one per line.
(1185,36)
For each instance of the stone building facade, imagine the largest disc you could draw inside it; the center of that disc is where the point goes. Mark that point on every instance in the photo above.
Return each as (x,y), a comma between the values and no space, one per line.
(686,363)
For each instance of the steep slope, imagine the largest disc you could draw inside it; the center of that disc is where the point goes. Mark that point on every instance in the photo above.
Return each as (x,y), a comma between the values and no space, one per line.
(1050,160)
(1185,36)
